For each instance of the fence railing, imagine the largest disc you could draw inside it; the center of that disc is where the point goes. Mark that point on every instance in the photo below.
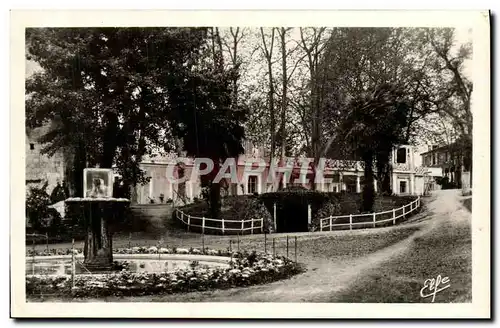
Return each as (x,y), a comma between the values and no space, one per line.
(225,226)
(368,219)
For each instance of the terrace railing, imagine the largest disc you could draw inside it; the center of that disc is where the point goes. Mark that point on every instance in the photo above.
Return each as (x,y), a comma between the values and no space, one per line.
(225,226)
(368,220)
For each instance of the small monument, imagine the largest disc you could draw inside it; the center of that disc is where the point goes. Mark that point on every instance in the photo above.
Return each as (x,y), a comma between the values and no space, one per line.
(97,210)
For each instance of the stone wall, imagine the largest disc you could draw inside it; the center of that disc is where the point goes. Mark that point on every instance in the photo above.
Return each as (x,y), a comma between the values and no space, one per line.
(41,168)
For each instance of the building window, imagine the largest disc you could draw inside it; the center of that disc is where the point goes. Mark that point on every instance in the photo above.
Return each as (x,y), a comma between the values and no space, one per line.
(32,146)
(442,158)
(401,156)
(402,187)
(252,184)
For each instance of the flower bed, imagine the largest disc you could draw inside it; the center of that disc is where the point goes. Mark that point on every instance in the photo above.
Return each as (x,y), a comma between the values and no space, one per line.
(245,269)
(134,250)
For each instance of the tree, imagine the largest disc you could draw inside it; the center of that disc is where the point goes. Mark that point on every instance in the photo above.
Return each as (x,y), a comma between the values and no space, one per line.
(375,124)
(268,54)
(206,122)
(108,91)
(313,47)
(454,90)
(359,59)
(233,46)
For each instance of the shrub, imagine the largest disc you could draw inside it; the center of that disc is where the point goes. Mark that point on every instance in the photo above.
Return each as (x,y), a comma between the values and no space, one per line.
(331,207)
(59,193)
(255,209)
(37,207)
(237,208)
(245,269)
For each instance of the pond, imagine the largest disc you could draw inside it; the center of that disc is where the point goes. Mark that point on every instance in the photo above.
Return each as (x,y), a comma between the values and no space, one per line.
(61,265)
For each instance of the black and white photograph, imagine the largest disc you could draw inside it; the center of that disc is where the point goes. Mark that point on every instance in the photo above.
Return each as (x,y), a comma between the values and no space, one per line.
(230,162)
(98,183)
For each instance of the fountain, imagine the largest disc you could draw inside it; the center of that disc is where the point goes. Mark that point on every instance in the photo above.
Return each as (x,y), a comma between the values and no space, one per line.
(99,210)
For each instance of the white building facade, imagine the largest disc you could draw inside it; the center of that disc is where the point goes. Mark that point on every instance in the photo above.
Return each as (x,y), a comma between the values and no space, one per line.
(340,176)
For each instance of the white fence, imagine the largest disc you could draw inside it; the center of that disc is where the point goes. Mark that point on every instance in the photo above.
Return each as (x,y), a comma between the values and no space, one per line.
(367,220)
(226,226)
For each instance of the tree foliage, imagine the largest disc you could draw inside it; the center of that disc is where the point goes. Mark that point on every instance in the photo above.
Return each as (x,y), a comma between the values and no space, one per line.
(116,94)
(374,125)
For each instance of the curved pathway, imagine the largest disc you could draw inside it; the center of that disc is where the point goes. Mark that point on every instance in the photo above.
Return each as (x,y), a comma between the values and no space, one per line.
(325,277)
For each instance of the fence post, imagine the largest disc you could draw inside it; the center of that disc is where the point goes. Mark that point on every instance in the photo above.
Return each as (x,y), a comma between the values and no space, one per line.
(374,220)
(295,249)
(274,218)
(189,221)
(73,263)
(393,216)
(34,253)
(404,210)
(286,246)
(222,225)
(203,225)
(238,239)
(242,226)
(261,224)
(265,243)
(350,221)
(203,243)
(331,223)
(320,224)
(251,230)
(309,214)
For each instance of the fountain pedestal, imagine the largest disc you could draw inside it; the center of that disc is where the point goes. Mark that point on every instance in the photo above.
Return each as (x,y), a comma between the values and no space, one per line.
(96,215)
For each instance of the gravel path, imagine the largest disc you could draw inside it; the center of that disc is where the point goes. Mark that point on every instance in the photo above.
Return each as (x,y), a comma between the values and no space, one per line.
(327,276)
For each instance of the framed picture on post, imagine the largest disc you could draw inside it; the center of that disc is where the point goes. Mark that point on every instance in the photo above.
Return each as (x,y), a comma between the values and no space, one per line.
(98,183)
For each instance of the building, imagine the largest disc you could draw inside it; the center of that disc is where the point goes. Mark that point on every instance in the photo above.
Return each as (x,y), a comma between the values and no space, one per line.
(450,160)
(340,175)
(407,178)
(41,168)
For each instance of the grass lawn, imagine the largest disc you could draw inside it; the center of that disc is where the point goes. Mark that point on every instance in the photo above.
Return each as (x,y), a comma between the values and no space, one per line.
(468,203)
(445,250)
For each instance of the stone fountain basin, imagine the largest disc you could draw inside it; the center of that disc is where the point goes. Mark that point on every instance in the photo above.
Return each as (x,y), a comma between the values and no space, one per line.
(60,265)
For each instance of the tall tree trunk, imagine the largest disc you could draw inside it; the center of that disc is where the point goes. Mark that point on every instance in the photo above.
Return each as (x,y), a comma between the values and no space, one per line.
(384,172)
(214,193)
(368,189)
(268,53)
(109,140)
(284,96)
(272,110)
(79,164)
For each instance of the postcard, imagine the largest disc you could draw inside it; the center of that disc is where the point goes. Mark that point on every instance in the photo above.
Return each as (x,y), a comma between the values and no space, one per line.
(250,164)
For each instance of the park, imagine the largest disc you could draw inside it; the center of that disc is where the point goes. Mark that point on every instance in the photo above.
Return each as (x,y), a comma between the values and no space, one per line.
(247,164)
